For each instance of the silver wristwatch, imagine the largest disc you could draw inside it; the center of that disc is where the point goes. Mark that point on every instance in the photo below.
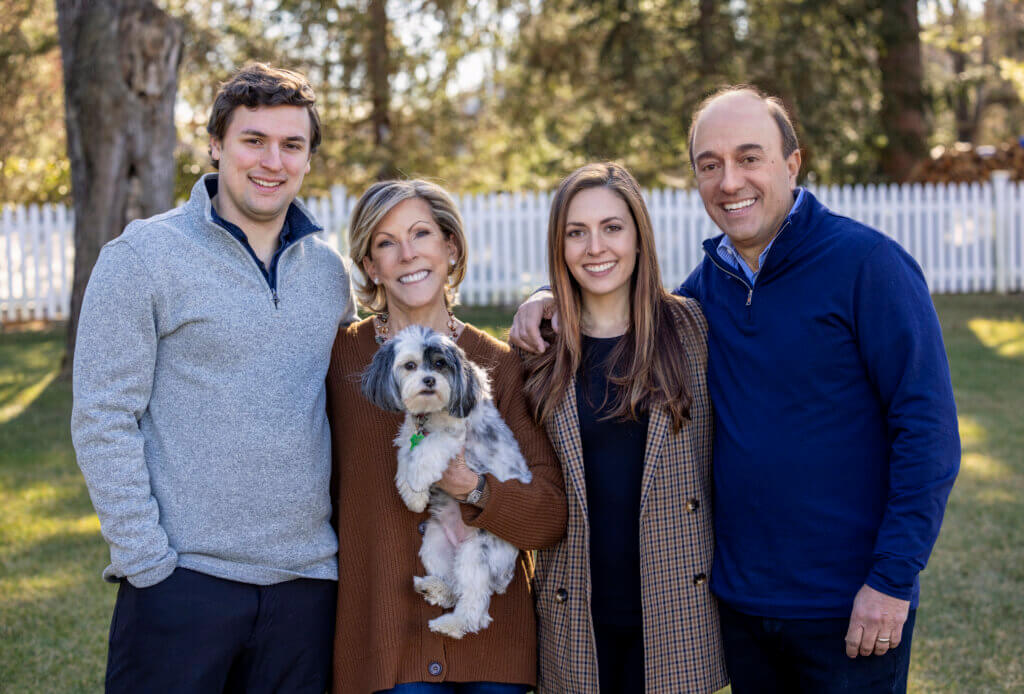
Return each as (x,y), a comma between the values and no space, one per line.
(475,495)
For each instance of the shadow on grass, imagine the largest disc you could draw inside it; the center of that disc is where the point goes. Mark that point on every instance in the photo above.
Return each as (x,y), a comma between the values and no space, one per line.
(54,607)
(970,636)
(37,463)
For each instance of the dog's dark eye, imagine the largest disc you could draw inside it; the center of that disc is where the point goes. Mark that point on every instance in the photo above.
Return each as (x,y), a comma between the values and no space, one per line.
(439,364)
(410,366)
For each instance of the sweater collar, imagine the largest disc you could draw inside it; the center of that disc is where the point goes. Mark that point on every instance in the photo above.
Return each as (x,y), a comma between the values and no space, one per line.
(299,221)
(795,227)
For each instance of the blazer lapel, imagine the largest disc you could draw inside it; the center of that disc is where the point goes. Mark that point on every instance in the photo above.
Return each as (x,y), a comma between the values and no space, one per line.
(565,430)
(658,426)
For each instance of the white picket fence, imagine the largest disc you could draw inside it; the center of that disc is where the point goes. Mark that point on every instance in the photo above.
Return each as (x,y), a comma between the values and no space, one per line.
(967,238)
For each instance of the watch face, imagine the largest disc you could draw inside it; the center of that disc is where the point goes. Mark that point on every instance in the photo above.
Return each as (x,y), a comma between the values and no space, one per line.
(475,495)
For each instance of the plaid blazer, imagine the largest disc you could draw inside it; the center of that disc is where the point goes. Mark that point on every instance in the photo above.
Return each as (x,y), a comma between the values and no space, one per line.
(682,641)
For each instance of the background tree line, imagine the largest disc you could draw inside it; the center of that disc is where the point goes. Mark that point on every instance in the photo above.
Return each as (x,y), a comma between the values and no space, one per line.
(509,94)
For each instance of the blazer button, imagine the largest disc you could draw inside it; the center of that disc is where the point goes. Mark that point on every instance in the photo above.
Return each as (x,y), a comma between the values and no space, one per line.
(700,579)
(692,505)
(561,595)
(422,527)
(434,668)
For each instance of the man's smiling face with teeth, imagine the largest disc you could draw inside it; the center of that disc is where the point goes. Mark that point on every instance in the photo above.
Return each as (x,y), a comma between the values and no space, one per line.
(744,180)
(261,160)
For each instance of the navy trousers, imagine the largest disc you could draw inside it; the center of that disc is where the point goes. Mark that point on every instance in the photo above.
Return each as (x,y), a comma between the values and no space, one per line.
(786,656)
(196,633)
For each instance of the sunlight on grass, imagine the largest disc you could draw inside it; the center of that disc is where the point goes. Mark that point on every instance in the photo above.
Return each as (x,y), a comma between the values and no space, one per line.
(26,397)
(984,467)
(1006,337)
(37,588)
(975,464)
(972,433)
(24,523)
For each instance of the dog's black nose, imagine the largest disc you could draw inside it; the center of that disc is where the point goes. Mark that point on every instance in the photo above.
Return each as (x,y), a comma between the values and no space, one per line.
(429,381)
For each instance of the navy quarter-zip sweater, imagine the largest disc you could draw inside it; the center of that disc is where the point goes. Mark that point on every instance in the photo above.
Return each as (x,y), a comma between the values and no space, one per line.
(836,441)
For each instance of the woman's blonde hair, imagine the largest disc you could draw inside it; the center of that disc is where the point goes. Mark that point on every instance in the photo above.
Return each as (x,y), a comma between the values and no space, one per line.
(374,205)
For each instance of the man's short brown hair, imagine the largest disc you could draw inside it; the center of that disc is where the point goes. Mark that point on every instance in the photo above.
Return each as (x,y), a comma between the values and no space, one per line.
(774,105)
(259,84)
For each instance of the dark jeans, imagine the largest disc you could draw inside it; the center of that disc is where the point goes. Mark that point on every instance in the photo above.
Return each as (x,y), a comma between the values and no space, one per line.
(456,688)
(765,656)
(196,633)
(620,658)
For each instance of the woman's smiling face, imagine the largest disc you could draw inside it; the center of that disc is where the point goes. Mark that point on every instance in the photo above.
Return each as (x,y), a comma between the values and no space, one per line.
(600,242)
(410,256)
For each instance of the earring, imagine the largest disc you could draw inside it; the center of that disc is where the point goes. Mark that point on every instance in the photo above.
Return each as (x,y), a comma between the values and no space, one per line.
(451,261)
(376,280)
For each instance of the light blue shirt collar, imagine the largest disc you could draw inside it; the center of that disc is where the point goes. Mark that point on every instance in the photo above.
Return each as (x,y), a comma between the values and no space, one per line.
(728,252)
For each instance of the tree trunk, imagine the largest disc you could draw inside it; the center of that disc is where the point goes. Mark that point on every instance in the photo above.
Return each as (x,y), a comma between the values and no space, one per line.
(708,42)
(120,77)
(379,69)
(903,104)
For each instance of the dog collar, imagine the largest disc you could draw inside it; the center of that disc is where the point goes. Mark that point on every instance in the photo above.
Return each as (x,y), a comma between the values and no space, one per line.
(420,433)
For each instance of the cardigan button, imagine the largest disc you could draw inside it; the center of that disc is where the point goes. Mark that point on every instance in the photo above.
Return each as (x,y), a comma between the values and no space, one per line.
(700,579)
(692,505)
(434,668)
(561,595)
(422,527)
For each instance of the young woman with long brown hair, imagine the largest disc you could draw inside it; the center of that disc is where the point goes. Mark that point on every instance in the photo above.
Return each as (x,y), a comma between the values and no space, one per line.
(623,603)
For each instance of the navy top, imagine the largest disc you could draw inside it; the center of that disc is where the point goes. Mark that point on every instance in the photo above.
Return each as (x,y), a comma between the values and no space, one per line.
(613,463)
(836,441)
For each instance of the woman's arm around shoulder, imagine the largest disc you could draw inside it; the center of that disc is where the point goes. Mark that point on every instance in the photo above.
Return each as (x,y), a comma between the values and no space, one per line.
(530,516)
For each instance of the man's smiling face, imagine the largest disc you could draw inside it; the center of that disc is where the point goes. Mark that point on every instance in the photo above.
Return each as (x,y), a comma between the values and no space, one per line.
(262,160)
(744,180)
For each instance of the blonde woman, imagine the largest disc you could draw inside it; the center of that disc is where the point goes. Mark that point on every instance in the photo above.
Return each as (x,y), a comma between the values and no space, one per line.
(623,602)
(406,238)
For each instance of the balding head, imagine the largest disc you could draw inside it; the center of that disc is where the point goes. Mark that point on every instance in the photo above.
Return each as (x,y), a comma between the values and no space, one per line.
(745,172)
(736,96)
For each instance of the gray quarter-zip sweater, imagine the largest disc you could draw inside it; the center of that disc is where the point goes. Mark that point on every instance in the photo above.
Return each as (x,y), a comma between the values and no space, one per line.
(198,418)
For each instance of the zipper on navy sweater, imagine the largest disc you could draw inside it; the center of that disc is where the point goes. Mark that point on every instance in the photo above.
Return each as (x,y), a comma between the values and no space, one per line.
(750,289)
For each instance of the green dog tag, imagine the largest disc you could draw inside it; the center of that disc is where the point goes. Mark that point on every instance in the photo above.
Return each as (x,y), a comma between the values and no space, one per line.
(415,439)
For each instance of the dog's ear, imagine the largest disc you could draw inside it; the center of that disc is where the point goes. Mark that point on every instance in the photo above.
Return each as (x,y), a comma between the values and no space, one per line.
(378,383)
(466,383)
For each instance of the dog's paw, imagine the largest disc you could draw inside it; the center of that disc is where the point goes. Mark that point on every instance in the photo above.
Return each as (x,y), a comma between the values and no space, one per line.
(482,623)
(414,501)
(434,590)
(449,625)
(423,480)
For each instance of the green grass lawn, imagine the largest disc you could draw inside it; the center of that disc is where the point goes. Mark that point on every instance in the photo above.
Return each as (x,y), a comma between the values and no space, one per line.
(55,610)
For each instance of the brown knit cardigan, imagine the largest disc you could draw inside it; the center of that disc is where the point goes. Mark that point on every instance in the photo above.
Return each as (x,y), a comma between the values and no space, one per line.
(382,637)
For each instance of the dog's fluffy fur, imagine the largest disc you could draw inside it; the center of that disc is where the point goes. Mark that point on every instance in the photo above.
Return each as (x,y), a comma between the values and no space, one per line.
(421,372)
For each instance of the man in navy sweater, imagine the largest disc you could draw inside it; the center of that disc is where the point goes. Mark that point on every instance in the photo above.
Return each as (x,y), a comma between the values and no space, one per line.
(836,441)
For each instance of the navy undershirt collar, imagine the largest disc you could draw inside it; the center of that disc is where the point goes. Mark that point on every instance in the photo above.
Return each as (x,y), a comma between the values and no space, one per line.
(296,226)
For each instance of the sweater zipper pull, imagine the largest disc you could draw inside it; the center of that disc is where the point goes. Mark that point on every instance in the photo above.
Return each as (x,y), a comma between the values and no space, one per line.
(274,292)
(750,296)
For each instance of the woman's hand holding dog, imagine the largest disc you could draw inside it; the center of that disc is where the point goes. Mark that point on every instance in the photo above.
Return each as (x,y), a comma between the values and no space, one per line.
(458,480)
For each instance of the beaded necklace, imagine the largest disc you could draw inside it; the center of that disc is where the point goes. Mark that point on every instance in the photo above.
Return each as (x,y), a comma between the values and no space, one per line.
(382,334)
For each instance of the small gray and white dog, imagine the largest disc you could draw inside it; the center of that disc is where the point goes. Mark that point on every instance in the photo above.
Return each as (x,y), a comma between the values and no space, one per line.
(448,406)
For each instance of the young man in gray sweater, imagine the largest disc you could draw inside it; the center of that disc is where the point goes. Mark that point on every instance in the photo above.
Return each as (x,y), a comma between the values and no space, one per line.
(199,419)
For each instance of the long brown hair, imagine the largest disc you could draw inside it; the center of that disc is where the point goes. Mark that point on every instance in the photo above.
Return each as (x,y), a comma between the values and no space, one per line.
(649,365)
